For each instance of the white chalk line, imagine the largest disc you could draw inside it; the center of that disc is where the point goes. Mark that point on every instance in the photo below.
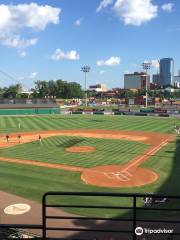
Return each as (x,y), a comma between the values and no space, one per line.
(117,175)
(150,153)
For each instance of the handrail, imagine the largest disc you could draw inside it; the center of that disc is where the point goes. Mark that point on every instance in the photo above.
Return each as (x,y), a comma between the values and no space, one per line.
(133,207)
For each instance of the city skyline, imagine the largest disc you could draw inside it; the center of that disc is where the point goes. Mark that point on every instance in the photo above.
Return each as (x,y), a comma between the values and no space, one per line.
(50,40)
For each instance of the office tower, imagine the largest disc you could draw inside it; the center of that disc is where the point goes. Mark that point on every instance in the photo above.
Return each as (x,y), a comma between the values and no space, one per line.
(156,79)
(166,71)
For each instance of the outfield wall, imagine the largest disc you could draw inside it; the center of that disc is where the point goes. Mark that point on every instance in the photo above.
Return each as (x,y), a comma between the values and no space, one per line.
(127,113)
(29,111)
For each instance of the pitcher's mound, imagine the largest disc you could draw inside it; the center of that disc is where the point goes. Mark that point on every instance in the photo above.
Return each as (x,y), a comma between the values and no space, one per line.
(117,176)
(80,149)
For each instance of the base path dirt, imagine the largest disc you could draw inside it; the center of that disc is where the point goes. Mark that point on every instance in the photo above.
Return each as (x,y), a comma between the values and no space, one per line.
(128,175)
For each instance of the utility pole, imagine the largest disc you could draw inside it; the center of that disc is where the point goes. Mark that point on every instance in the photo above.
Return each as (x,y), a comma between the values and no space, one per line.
(146,66)
(85,69)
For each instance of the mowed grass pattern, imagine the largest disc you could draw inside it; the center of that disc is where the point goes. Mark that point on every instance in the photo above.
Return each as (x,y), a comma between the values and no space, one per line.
(53,150)
(31,182)
(9,124)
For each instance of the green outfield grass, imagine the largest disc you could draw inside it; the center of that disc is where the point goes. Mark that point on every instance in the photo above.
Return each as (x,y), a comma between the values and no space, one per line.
(31,182)
(9,124)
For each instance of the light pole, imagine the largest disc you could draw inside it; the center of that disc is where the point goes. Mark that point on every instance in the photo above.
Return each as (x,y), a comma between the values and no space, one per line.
(146,66)
(85,69)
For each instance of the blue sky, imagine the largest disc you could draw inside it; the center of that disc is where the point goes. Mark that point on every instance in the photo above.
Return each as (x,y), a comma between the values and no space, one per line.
(48,39)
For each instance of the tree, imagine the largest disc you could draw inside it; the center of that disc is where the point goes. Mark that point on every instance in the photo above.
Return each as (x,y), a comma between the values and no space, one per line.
(41,88)
(126,93)
(74,90)
(1,92)
(59,88)
(12,91)
(52,88)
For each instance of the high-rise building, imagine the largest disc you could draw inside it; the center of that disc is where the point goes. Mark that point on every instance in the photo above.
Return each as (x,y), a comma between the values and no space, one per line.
(156,79)
(166,71)
(136,80)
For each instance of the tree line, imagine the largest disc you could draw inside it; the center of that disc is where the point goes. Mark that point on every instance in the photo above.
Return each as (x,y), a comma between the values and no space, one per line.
(45,89)
(69,90)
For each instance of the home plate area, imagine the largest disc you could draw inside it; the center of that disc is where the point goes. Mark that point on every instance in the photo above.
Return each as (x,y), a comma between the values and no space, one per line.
(118,176)
(121,176)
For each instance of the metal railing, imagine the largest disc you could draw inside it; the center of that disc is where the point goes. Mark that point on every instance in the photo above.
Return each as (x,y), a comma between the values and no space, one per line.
(135,213)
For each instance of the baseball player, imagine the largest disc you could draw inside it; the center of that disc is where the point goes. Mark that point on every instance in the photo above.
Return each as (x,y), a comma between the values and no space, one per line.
(19,138)
(7,138)
(177,129)
(40,139)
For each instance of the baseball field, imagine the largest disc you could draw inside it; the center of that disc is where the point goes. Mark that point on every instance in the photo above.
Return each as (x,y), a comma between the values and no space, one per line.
(89,153)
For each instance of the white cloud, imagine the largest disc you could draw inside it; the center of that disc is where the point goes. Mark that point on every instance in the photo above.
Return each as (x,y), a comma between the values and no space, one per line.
(19,43)
(104,4)
(17,18)
(23,53)
(135,12)
(33,75)
(132,12)
(101,72)
(78,22)
(112,61)
(60,55)
(155,63)
(167,7)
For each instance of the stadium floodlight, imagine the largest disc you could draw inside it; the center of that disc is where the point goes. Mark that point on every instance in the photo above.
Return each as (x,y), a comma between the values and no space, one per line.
(146,66)
(85,69)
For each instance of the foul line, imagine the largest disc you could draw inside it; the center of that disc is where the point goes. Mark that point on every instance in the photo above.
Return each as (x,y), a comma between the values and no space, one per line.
(149,153)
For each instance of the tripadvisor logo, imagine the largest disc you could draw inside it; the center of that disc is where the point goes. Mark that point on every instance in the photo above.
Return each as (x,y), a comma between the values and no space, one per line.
(139,231)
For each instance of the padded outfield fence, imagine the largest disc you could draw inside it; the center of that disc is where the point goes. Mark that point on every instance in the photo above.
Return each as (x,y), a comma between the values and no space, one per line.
(30,111)
(28,106)
(125,113)
(27,101)
(137,218)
